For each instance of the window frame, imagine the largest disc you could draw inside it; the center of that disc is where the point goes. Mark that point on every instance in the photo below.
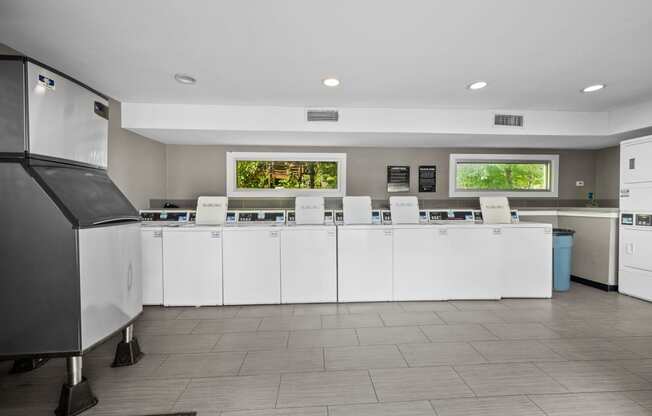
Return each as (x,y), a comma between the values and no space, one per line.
(231,178)
(456,158)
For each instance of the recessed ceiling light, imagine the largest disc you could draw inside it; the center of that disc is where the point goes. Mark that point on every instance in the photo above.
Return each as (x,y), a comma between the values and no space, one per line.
(331,82)
(185,79)
(477,85)
(593,88)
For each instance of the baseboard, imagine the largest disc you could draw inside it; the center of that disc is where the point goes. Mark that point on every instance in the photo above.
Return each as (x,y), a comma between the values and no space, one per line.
(597,285)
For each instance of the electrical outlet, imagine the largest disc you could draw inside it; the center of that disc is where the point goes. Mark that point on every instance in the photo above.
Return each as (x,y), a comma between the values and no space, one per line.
(579,184)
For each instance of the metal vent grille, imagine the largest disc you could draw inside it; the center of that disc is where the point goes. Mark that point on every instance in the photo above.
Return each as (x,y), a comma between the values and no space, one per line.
(322,115)
(509,120)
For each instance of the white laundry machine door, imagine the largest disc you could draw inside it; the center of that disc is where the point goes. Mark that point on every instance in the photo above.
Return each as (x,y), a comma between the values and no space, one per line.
(192,266)
(252,265)
(151,239)
(635,275)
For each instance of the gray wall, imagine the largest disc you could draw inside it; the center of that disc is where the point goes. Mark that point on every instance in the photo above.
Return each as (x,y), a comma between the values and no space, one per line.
(200,170)
(136,163)
(6,50)
(607,173)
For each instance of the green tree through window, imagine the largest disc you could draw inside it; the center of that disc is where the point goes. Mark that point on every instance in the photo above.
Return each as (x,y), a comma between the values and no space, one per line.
(503,176)
(266,174)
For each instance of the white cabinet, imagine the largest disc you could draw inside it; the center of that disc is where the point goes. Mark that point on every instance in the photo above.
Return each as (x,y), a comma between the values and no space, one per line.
(417,264)
(635,274)
(469,259)
(527,268)
(309,264)
(151,239)
(364,263)
(192,266)
(252,268)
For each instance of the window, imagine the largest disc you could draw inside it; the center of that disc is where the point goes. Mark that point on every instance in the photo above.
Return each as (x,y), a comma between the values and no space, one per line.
(285,174)
(473,175)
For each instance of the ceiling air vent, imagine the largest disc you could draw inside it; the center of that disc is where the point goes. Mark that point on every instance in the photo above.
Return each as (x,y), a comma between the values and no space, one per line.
(508,120)
(323,115)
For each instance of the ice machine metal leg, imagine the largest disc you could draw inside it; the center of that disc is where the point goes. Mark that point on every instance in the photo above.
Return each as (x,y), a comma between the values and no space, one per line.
(128,351)
(76,394)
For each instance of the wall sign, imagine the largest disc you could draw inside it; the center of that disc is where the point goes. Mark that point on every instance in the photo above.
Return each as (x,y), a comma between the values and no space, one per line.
(398,179)
(428,178)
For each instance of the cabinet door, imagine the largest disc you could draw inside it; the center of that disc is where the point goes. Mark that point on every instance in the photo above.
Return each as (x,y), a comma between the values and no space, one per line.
(415,265)
(152,266)
(471,259)
(527,268)
(191,268)
(365,265)
(308,265)
(252,266)
(636,162)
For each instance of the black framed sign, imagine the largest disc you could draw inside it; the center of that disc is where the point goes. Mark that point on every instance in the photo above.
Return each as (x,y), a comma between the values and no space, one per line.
(398,179)
(428,178)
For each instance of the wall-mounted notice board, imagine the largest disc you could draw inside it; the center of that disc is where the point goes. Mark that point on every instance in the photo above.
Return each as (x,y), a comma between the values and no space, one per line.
(398,179)
(428,178)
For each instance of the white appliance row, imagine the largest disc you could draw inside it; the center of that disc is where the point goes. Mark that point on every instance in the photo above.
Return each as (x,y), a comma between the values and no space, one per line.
(270,264)
(441,262)
(635,259)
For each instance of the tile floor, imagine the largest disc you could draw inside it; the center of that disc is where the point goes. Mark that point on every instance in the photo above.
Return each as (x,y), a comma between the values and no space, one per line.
(584,352)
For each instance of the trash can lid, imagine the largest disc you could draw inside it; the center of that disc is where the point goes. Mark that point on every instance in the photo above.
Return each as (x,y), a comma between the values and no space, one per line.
(563,231)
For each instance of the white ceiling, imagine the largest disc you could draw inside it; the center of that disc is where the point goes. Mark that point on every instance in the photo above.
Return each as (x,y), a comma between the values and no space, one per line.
(535,54)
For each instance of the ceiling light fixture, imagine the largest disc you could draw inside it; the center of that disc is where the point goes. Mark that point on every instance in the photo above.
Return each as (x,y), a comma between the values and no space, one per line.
(477,85)
(185,79)
(593,88)
(331,82)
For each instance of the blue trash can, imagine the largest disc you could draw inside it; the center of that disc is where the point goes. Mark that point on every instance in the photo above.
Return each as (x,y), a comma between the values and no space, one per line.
(562,257)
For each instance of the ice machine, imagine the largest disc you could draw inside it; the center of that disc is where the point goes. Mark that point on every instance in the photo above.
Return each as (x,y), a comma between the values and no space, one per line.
(70,239)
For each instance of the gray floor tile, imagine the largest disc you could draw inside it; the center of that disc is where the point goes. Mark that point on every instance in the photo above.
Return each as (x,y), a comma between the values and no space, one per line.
(165,327)
(508,379)
(521,331)
(374,307)
(638,345)
(201,365)
(120,397)
(262,311)
(580,349)
(427,306)
(643,397)
(219,326)
(323,338)
(288,323)
(283,360)
(634,327)
(642,368)
(321,309)
(410,318)
(405,384)
(250,341)
(583,329)
(487,406)
(160,313)
(417,408)
(593,376)
(230,393)
(100,368)
(533,315)
(457,333)
(440,353)
(390,335)
(177,344)
(469,317)
(325,388)
(357,320)
(364,357)
(589,404)
(515,351)
(299,411)
(478,305)
(209,312)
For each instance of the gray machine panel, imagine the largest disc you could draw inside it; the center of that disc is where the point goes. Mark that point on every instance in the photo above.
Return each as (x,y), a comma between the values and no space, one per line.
(39,287)
(12,106)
